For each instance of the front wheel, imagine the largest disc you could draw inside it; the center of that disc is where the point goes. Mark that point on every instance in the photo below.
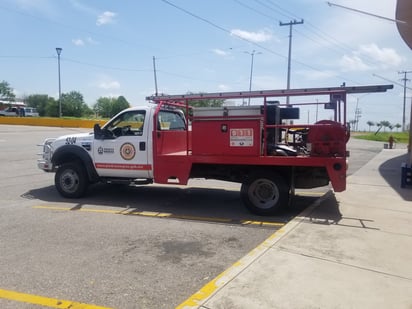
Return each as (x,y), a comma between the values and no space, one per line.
(265,193)
(71,180)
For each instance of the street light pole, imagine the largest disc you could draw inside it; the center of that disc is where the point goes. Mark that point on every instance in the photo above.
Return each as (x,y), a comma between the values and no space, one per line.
(253,53)
(59,50)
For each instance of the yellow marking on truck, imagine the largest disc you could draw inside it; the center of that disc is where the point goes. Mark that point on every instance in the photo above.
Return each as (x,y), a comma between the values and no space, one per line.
(166,215)
(309,193)
(46,301)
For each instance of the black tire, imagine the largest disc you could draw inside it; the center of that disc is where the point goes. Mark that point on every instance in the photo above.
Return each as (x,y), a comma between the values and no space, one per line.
(71,180)
(265,193)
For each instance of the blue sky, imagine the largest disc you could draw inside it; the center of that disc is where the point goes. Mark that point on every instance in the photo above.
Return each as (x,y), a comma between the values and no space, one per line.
(203,46)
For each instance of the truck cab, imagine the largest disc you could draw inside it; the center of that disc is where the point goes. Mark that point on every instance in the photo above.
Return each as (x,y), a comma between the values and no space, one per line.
(120,151)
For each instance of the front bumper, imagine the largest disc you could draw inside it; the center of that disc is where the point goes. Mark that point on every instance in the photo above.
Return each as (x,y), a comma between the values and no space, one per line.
(44,165)
(45,162)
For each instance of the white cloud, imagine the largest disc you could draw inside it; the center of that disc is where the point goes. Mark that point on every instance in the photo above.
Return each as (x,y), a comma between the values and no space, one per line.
(105,18)
(370,56)
(82,7)
(109,85)
(223,87)
(316,75)
(220,52)
(91,41)
(352,63)
(83,42)
(256,37)
(260,82)
(78,42)
(44,7)
(111,95)
(387,57)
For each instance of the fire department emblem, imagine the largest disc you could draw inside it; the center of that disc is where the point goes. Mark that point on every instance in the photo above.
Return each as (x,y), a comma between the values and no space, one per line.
(127,151)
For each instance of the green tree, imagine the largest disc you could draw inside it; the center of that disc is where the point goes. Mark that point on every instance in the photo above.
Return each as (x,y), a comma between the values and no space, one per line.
(39,101)
(398,126)
(103,107)
(385,124)
(206,102)
(73,104)
(52,108)
(87,111)
(352,124)
(119,105)
(108,107)
(6,92)
(370,124)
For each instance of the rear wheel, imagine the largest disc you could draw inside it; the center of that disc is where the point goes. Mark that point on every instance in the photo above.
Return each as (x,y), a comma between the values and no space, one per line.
(71,180)
(265,193)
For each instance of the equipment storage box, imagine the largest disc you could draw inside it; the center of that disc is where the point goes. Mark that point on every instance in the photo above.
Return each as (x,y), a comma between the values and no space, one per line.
(227,131)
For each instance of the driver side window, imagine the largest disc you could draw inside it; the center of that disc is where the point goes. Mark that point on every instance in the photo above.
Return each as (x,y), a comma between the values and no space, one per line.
(128,123)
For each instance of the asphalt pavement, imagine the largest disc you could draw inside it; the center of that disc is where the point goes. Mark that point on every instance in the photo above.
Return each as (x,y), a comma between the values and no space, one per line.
(348,250)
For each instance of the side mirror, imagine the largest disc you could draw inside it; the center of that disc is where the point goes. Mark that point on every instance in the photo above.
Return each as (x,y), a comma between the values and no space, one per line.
(97,131)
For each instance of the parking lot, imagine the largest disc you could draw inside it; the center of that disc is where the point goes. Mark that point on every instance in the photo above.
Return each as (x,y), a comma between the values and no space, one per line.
(119,247)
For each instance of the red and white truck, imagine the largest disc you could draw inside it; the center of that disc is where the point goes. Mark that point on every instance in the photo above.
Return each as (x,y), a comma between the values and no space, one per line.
(169,142)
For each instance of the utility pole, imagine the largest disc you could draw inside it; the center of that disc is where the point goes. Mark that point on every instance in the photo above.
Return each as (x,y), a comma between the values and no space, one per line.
(290,24)
(155,75)
(253,53)
(404,79)
(358,115)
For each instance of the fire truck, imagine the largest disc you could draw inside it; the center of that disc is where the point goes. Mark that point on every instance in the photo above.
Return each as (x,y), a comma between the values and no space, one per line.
(264,146)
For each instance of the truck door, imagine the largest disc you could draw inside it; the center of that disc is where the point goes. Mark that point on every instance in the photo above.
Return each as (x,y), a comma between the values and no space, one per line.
(120,149)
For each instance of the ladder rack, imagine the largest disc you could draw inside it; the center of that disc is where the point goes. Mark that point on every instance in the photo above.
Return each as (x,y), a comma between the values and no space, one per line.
(271,93)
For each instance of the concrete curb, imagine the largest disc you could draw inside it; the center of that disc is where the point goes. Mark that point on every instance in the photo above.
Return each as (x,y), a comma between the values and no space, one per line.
(213,287)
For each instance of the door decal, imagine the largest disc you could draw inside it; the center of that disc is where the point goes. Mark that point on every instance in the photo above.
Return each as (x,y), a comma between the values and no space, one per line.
(127,151)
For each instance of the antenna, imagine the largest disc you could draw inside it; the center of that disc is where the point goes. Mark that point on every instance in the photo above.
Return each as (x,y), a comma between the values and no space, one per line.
(154,73)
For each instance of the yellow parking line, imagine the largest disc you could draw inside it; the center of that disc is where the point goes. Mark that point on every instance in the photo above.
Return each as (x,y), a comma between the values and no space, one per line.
(261,223)
(46,301)
(168,215)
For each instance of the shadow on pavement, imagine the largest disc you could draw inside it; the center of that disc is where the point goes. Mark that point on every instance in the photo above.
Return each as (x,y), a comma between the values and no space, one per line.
(178,201)
(391,171)
(327,213)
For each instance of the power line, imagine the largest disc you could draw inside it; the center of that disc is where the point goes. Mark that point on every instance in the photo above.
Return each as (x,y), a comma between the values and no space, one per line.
(279,10)
(339,47)
(391,81)
(221,28)
(244,39)
(404,92)
(253,9)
